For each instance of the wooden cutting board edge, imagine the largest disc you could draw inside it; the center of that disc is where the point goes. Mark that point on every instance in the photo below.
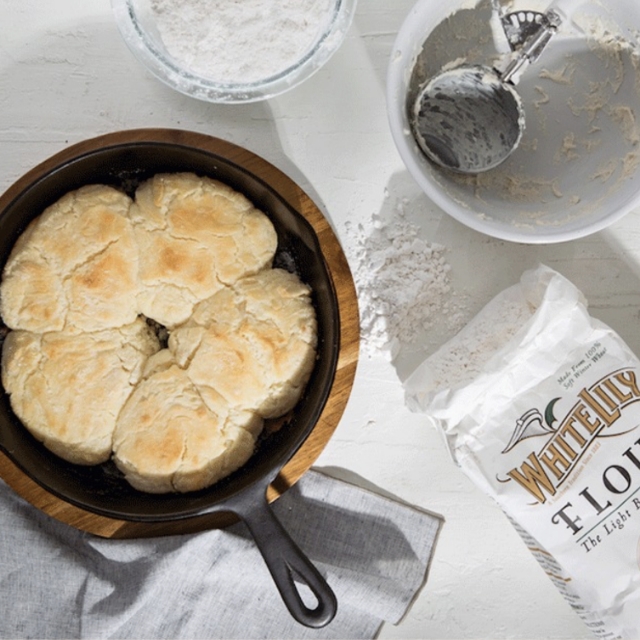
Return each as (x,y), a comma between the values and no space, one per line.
(347,360)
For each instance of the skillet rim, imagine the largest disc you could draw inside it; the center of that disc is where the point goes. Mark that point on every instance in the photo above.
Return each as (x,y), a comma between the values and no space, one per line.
(196,500)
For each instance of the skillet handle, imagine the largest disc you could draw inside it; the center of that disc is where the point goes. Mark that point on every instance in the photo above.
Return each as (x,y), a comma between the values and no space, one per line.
(287,562)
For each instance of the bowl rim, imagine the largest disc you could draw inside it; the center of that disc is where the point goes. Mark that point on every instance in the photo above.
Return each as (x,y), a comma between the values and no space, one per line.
(168,71)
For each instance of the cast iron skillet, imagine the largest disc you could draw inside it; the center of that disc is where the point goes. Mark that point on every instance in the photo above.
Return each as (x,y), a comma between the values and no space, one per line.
(102,489)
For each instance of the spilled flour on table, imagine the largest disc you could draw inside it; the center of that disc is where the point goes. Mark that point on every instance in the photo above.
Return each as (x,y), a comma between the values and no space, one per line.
(403,283)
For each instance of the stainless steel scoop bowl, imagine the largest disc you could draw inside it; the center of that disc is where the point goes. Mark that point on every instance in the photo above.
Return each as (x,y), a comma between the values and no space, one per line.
(470,118)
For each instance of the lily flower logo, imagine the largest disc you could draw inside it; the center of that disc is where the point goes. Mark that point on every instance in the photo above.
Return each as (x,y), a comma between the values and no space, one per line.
(531,424)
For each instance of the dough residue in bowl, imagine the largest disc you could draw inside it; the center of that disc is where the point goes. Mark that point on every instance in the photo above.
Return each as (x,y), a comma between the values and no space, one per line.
(582,100)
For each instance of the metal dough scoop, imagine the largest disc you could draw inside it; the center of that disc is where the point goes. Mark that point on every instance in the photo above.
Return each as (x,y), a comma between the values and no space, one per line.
(470,118)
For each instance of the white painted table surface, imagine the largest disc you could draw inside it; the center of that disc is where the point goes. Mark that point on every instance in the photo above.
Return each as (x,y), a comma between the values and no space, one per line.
(66,75)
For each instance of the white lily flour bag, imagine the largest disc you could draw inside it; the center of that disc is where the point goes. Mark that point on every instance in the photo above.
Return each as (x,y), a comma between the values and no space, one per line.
(539,405)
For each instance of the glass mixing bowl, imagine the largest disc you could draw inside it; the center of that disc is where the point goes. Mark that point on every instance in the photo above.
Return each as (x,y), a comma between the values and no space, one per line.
(137,23)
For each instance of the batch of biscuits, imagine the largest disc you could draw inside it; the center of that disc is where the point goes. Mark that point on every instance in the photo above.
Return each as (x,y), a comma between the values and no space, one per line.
(153,330)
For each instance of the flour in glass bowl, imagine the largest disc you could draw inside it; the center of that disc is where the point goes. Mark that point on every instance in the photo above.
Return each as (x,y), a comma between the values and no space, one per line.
(241,41)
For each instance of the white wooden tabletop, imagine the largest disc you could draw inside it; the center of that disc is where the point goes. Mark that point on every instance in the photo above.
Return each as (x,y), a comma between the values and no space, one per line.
(66,75)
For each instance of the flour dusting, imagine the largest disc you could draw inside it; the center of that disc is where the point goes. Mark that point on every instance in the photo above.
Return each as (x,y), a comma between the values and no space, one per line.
(240,42)
(403,283)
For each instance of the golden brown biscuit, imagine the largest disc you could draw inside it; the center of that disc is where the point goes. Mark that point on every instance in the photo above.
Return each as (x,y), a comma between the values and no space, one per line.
(195,235)
(75,267)
(252,343)
(68,389)
(167,439)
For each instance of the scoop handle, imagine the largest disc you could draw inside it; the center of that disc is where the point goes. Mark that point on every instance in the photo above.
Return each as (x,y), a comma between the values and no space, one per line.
(534,45)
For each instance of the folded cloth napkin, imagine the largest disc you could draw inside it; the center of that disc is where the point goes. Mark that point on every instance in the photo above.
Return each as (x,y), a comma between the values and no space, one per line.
(58,582)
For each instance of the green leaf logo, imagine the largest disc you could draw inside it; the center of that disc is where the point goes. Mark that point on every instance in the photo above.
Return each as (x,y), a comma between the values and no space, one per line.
(549,418)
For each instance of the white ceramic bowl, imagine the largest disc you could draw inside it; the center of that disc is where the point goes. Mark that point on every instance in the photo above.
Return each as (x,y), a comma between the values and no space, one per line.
(136,21)
(577,169)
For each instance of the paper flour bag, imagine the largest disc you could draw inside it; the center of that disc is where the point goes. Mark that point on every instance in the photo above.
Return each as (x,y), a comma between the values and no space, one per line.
(540,406)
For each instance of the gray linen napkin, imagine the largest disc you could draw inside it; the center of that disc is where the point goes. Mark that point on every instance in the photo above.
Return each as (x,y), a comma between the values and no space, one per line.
(58,582)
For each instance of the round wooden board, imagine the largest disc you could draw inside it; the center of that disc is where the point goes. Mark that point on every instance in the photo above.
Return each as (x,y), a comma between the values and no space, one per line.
(348,352)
